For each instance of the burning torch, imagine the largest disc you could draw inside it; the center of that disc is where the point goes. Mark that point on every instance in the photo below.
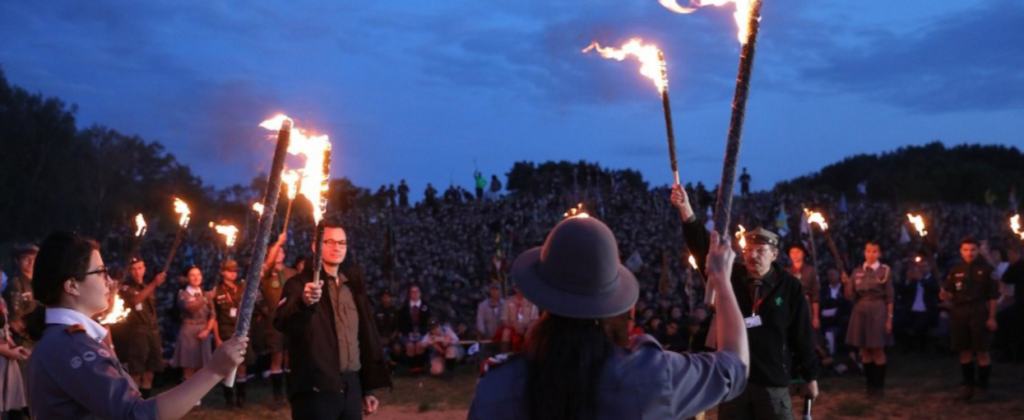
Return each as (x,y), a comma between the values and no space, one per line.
(184,215)
(816,218)
(652,65)
(270,198)
(748,19)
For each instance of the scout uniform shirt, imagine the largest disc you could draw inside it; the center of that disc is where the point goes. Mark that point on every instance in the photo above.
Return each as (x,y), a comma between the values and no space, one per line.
(72,374)
(143,313)
(643,381)
(971,285)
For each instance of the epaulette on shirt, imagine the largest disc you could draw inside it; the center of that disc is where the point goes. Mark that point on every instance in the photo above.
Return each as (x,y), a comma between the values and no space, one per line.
(72,329)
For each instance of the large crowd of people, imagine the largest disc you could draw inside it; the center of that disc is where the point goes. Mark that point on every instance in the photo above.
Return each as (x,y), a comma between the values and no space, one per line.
(436,274)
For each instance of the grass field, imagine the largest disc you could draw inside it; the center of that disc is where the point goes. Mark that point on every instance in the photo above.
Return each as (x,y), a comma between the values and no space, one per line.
(919,387)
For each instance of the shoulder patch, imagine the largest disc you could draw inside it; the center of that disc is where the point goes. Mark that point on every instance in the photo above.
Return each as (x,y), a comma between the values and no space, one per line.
(74,329)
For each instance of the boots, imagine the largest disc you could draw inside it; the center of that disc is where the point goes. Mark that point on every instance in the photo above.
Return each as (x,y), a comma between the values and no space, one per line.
(880,380)
(277,384)
(967,370)
(229,396)
(869,378)
(240,394)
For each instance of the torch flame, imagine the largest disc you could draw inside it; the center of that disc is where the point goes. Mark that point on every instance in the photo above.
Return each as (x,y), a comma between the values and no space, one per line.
(291,180)
(918,222)
(1015,225)
(181,208)
(652,59)
(742,15)
(743,238)
(118,312)
(814,217)
(140,225)
(693,262)
(577,211)
(312,179)
(230,233)
(258,208)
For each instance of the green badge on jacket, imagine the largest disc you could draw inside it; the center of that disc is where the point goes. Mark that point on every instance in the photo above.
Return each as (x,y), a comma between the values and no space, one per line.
(778,301)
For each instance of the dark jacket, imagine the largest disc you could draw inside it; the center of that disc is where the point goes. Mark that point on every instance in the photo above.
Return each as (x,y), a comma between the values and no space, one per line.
(313,345)
(906,292)
(785,336)
(405,324)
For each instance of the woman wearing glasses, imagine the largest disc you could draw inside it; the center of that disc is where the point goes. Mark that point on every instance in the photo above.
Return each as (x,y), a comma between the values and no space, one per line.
(73,373)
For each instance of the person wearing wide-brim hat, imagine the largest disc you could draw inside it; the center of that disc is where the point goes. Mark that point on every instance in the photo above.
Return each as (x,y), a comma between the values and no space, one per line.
(578,362)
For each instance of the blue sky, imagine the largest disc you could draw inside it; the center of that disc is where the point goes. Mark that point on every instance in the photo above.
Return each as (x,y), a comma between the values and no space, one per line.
(429,90)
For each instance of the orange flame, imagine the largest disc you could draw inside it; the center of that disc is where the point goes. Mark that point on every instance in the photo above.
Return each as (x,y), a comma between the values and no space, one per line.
(118,312)
(652,59)
(140,225)
(742,15)
(577,211)
(817,218)
(182,209)
(693,262)
(258,208)
(743,238)
(291,180)
(918,222)
(1015,225)
(316,149)
(917,259)
(230,233)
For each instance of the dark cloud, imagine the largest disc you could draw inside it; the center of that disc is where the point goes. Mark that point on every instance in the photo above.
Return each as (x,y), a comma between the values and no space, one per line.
(967,62)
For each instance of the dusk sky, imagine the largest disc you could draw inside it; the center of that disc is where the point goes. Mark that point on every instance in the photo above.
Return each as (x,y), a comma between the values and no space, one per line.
(428,90)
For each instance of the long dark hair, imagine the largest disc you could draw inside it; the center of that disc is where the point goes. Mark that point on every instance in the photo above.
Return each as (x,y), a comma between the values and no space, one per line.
(62,256)
(565,358)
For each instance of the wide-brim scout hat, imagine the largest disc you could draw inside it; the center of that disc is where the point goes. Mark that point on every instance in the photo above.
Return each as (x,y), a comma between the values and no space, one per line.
(577,273)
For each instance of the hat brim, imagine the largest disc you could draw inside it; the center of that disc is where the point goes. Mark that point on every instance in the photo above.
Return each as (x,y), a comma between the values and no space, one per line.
(539,291)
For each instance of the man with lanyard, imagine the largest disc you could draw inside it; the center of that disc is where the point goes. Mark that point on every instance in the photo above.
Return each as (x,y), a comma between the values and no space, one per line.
(142,347)
(776,315)
(227,299)
(973,293)
(275,274)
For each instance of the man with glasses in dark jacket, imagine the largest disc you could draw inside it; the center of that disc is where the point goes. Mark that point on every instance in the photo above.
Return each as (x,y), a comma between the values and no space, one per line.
(336,355)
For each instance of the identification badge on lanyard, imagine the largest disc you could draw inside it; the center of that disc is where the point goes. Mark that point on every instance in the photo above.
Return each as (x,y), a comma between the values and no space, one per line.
(233,312)
(752,321)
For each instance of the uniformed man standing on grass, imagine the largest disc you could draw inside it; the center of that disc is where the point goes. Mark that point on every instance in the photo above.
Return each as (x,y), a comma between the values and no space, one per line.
(142,349)
(973,292)
(777,318)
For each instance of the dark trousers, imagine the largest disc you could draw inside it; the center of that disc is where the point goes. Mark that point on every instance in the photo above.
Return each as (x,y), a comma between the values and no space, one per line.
(347,405)
(759,403)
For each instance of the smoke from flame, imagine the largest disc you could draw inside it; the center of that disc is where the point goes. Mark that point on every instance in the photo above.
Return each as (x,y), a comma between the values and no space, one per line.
(918,222)
(742,15)
(140,225)
(182,209)
(652,60)
(316,149)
